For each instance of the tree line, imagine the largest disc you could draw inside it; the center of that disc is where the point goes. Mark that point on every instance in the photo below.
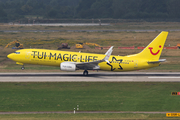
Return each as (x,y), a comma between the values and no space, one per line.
(87,9)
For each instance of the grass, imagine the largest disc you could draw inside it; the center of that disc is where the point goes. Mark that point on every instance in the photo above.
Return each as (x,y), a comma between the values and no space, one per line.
(109,116)
(105,39)
(110,38)
(89,96)
(168,67)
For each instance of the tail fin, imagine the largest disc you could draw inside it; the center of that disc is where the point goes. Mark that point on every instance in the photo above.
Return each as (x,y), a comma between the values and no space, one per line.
(154,49)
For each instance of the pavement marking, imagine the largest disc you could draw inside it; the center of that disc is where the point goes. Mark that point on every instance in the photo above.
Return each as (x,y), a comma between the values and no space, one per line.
(59,80)
(165,77)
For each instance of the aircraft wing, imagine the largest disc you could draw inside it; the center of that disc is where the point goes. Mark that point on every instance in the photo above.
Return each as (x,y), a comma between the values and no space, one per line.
(94,65)
(160,60)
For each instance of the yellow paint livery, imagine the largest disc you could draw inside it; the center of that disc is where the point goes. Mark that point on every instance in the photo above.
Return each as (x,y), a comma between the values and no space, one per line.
(71,61)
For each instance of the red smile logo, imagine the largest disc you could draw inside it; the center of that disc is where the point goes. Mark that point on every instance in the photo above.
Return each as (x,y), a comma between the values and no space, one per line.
(150,48)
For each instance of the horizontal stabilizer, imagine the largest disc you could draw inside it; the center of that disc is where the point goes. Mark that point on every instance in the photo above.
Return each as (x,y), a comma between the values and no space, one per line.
(160,60)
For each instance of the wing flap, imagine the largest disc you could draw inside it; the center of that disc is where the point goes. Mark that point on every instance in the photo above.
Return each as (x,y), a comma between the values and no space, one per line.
(88,65)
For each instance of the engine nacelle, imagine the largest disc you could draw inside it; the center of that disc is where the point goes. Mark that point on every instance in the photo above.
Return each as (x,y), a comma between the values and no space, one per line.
(67,66)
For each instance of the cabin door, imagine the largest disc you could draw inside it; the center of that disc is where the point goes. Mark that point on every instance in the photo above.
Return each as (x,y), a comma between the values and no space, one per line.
(27,55)
(136,64)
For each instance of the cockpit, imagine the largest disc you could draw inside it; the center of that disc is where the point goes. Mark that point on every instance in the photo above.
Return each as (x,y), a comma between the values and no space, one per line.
(17,52)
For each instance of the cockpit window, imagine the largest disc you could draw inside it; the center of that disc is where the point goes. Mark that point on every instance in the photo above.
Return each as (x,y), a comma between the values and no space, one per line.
(17,52)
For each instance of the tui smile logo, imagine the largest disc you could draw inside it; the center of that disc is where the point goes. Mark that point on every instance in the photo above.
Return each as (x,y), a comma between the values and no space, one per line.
(150,48)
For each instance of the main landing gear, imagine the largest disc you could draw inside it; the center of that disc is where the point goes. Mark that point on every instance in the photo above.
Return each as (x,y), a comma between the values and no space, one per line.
(85,73)
(22,68)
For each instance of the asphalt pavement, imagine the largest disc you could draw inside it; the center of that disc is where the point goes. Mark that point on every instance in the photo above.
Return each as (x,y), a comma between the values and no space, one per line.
(92,77)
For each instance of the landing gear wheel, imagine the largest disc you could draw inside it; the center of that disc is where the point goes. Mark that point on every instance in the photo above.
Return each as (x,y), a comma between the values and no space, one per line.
(85,73)
(22,68)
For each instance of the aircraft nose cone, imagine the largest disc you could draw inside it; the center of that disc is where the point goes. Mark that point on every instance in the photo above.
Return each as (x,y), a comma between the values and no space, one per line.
(10,56)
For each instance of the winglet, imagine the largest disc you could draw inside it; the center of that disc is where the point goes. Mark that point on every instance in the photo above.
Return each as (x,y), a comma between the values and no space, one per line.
(108,54)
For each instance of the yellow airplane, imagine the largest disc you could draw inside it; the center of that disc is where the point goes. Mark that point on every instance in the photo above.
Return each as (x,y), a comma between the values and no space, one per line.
(72,61)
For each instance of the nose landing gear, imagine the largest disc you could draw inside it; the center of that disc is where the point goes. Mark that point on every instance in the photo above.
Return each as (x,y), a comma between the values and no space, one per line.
(22,68)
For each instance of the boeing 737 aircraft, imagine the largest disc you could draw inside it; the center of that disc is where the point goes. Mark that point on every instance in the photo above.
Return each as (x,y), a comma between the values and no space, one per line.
(72,61)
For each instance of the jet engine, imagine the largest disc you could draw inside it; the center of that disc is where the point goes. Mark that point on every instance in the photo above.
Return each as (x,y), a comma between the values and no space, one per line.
(67,66)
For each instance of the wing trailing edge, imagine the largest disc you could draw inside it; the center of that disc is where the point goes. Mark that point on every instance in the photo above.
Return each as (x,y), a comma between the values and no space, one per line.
(94,64)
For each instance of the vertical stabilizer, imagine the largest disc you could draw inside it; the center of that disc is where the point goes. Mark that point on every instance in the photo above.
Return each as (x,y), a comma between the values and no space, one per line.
(154,49)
